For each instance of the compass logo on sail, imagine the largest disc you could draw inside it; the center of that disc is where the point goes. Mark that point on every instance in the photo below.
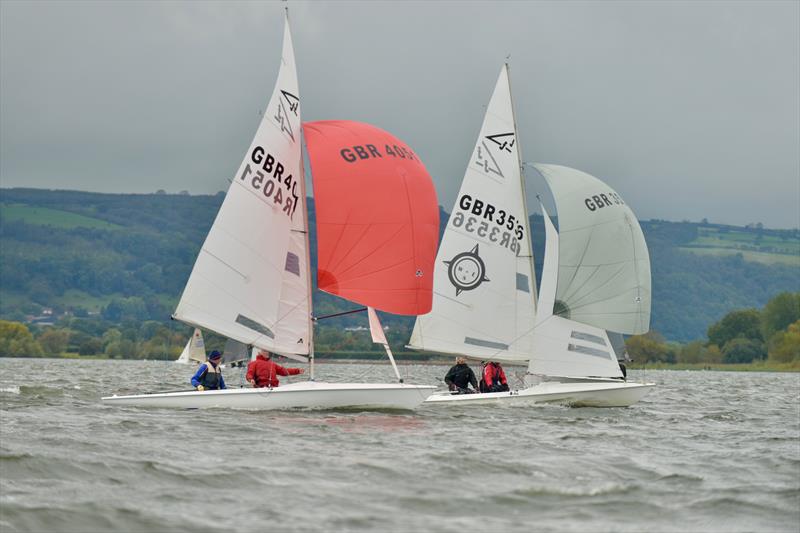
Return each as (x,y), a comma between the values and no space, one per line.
(466,271)
(282,116)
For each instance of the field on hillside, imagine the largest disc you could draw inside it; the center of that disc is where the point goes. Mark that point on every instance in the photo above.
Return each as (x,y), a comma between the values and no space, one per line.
(762,247)
(45,216)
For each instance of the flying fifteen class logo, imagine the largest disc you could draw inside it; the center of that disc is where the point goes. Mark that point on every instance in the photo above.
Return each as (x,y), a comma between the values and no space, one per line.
(504,140)
(485,160)
(282,116)
(292,100)
(466,271)
(484,157)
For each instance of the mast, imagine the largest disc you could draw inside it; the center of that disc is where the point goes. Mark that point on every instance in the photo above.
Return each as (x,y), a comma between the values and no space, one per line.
(310,289)
(522,190)
(308,276)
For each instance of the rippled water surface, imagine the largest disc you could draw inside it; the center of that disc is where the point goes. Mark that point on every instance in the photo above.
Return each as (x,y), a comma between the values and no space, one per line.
(705,451)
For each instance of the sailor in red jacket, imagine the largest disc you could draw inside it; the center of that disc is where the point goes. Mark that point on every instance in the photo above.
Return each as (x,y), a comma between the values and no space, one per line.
(264,372)
(494,378)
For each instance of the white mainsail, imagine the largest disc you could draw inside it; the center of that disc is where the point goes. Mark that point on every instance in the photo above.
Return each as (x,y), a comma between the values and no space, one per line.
(563,347)
(195,349)
(603,262)
(250,281)
(484,299)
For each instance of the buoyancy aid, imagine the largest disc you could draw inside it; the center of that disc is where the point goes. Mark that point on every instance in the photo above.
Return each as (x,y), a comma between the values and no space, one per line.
(210,378)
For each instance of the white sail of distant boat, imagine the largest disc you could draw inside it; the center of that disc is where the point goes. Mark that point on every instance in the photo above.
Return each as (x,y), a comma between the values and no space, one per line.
(251,281)
(484,286)
(195,349)
(598,274)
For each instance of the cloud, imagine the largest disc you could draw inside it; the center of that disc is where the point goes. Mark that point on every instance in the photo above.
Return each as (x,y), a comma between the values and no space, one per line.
(689,110)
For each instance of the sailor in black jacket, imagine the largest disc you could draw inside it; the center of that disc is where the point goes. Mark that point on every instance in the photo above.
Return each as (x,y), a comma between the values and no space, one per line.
(460,376)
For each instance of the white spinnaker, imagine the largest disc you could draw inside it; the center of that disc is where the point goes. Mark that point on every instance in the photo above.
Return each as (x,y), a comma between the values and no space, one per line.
(484,288)
(237,287)
(604,265)
(195,349)
(564,347)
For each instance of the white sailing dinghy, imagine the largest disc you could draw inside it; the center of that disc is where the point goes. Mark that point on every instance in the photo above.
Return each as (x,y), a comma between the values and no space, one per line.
(484,304)
(194,351)
(251,281)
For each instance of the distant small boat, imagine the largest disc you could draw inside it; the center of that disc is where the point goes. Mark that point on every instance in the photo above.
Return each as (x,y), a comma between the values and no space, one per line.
(194,351)
(596,276)
(251,282)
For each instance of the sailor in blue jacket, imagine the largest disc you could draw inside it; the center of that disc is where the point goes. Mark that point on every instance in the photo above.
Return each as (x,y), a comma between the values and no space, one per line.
(209,374)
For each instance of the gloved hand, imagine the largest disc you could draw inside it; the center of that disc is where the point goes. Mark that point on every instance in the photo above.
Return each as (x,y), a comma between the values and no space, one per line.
(201,388)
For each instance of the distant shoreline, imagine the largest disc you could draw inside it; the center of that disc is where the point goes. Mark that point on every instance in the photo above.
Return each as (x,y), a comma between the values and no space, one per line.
(758,366)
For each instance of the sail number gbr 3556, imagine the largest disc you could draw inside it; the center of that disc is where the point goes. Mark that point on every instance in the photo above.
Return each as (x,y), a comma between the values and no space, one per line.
(267,177)
(488,222)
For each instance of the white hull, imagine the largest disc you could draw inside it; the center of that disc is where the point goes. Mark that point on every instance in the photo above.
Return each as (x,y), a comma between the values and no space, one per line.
(308,394)
(577,394)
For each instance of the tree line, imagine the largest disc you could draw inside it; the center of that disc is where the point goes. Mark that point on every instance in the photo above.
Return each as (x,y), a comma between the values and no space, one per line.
(136,270)
(742,336)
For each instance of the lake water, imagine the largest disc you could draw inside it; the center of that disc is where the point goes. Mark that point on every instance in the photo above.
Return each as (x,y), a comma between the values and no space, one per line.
(705,451)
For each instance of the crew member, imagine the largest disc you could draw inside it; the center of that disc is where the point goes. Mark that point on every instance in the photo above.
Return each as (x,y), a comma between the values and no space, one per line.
(460,376)
(209,374)
(263,371)
(494,378)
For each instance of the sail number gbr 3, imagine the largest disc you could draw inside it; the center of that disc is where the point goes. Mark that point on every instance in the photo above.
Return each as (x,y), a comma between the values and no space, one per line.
(267,177)
(488,222)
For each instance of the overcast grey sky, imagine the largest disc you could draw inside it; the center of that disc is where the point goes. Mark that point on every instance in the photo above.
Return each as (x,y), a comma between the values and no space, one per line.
(687,109)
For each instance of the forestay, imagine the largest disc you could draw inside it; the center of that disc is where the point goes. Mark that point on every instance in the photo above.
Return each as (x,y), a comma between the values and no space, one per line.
(377,217)
(485,290)
(604,266)
(250,280)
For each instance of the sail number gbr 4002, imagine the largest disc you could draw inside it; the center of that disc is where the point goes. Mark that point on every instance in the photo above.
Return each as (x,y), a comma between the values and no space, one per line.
(268,179)
(488,222)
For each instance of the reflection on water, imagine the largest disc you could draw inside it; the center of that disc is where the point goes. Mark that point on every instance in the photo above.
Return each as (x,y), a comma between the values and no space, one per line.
(706,451)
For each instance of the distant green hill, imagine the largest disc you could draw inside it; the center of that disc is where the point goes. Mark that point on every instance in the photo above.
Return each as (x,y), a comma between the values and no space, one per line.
(127,257)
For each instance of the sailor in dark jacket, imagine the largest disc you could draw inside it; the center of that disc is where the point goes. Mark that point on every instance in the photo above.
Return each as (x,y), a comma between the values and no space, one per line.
(460,376)
(209,374)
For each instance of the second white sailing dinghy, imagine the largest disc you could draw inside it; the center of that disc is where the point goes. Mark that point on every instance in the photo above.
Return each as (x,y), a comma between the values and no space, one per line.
(194,351)
(485,304)
(377,222)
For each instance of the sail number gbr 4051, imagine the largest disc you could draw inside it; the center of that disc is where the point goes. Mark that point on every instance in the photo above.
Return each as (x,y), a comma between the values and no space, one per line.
(488,222)
(267,177)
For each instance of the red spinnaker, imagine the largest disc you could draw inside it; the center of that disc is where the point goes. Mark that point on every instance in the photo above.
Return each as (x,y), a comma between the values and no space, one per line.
(377,217)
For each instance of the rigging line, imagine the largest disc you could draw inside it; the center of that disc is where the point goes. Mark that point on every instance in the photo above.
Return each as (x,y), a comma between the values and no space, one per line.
(352,311)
